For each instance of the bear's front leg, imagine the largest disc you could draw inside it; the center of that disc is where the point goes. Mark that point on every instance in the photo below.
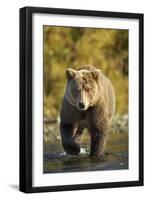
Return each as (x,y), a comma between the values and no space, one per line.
(97,121)
(67,136)
(98,140)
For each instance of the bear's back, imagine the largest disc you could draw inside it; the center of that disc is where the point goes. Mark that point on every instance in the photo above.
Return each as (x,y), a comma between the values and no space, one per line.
(109,94)
(87,67)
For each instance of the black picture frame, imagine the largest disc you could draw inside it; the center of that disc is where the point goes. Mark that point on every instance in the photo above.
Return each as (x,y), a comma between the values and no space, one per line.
(26,103)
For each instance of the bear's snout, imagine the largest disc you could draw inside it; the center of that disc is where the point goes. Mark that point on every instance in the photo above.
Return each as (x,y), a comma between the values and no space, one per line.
(81,105)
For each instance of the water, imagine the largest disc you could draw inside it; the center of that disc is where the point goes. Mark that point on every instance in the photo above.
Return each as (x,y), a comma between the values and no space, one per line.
(115,157)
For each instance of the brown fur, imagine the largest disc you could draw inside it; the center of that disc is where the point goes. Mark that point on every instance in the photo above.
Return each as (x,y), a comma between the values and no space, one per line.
(94,89)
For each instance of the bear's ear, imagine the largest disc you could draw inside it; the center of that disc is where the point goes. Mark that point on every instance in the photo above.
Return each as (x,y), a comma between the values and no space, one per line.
(70,73)
(96,73)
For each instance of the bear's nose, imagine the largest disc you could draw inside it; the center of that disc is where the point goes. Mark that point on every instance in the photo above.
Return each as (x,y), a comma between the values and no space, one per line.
(81,105)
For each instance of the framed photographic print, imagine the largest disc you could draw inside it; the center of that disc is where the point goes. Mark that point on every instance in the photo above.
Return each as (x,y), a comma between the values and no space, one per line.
(81,99)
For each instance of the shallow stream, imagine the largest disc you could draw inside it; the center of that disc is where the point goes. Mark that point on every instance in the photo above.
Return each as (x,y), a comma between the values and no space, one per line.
(115,157)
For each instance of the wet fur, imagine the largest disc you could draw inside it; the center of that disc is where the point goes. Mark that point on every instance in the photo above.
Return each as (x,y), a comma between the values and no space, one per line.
(96,117)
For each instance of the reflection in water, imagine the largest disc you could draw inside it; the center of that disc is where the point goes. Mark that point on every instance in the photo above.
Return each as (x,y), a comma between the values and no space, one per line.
(116,156)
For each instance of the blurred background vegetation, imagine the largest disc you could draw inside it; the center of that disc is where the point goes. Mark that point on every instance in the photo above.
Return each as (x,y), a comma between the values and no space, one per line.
(72,47)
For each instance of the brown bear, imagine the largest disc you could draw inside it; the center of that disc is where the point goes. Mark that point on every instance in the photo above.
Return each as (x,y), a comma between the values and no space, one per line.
(89,102)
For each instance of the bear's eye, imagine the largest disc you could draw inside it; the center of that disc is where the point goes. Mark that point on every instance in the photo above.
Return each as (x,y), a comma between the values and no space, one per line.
(88,88)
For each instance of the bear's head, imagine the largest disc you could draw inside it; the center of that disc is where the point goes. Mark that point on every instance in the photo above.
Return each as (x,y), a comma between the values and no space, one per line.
(82,88)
